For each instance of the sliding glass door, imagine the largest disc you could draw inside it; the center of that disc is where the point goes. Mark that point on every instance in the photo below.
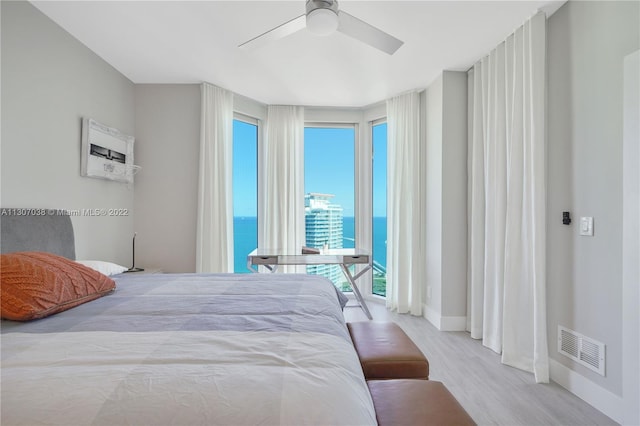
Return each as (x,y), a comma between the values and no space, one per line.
(379,223)
(245,191)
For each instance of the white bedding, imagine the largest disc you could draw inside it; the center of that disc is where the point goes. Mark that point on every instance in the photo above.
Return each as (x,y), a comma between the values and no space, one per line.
(185,376)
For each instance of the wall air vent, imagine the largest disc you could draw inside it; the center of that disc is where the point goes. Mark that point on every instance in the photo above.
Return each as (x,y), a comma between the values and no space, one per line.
(582,349)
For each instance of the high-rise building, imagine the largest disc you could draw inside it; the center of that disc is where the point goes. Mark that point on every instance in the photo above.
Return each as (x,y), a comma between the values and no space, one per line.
(323,222)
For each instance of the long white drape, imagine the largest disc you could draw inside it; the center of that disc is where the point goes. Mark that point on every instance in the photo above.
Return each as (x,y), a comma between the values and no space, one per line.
(282,178)
(506,269)
(214,238)
(405,218)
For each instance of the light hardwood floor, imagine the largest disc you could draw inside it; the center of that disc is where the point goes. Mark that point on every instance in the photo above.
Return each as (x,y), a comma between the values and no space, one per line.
(492,393)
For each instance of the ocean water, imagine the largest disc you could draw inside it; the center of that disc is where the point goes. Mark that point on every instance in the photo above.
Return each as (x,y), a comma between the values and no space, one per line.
(245,231)
(246,239)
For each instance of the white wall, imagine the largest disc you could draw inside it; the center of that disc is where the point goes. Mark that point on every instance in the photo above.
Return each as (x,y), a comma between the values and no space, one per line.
(454,199)
(168,145)
(49,82)
(631,240)
(432,113)
(587,42)
(445,101)
(168,148)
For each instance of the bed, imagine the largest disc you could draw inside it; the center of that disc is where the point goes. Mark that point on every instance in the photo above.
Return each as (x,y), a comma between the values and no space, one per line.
(182,349)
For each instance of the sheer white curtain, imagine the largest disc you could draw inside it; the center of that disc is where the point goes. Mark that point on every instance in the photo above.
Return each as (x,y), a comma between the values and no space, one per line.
(282,179)
(214,238)
(506,270)
(405,216)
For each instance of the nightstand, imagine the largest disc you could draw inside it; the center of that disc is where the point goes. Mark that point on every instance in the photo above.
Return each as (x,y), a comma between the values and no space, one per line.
(150,270)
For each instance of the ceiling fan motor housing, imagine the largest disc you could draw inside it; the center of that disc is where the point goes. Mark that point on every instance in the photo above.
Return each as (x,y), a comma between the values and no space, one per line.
(331,5)
(322,16)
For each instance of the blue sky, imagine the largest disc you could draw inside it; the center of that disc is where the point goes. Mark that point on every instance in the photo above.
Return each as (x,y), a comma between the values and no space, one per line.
(329,166)
(245,169)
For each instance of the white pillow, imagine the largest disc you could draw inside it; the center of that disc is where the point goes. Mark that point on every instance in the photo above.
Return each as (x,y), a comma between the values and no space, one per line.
(106,268)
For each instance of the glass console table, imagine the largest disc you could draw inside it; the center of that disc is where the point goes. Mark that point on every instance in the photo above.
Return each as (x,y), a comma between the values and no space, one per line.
(272,258)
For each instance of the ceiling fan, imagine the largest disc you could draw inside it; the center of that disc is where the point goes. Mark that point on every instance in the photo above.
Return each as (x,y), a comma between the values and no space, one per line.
(323,17)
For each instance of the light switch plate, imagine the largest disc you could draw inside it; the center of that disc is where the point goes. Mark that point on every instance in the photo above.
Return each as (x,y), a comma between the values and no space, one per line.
(586,226)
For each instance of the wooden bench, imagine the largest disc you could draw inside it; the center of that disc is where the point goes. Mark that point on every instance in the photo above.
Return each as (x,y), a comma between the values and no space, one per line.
(416,402)
(386,352)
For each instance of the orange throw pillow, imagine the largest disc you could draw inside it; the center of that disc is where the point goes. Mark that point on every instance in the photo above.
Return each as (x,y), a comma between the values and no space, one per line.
(36,284)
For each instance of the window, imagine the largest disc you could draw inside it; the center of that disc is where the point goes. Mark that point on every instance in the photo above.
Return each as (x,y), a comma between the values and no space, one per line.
(329,181)
(379,167)
(329,186)
(245,191)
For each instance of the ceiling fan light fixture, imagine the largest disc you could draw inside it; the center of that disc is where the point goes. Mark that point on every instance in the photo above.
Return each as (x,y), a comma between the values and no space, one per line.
(322,21)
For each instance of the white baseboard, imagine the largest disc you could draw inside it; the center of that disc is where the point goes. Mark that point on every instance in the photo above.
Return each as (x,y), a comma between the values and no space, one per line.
(432,316)
(454,323)
(444,323)
(603,400)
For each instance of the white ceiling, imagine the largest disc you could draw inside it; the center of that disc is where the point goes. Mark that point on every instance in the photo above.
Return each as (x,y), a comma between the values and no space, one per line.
(195,41)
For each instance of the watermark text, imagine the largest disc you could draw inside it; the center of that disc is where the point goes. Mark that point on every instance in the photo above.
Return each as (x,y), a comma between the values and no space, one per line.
(89,212)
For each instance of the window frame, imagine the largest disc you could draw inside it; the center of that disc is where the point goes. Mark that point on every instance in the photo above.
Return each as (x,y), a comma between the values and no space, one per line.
(372,124)
(343,125)
(244,118)
(362,119)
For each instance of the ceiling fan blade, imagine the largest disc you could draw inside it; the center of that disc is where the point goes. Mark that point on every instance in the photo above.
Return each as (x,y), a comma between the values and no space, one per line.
(288,28)
(360,30)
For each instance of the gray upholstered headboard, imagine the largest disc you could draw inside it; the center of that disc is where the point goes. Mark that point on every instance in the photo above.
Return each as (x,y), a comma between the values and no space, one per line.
(49,232)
